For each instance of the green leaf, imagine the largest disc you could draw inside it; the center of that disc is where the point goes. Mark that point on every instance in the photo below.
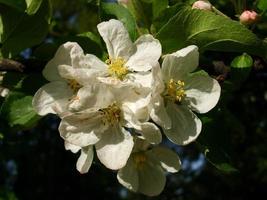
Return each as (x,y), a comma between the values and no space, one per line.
(20,5)
(17,110)
(33,6)
(218,127)
(89,42)
(158,6)
(243,61)
(45,51)
(209,32)
(21,31)
(121,14)
(262,5)
(143,13)
(219,160)
(27,84)
(240,69)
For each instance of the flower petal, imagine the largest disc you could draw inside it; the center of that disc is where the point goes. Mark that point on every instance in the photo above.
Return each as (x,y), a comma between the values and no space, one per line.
(151,133)
(151,179)
(73,148)
(65,55)
(137,100)
(86,72)
(169,160)
(52,98)
(128,176)
(180,63)
(202,92)
(116,38)
(85,160)
(114,148)
(186,126)
(95,96)
(158,112)
(148,52)
(82,129)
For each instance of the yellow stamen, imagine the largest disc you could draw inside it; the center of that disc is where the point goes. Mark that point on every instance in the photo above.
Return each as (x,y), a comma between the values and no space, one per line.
(175,90)
(139,159)
(112,114)
(74,85)
(117,68)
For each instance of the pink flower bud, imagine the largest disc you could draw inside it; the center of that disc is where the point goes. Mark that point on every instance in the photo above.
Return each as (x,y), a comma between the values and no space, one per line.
(248,17)
(202,5)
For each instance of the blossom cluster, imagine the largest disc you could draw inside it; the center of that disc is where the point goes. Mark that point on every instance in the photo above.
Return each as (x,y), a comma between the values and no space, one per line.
(120,108)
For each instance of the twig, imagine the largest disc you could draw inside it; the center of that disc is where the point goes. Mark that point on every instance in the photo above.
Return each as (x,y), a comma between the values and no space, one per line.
(11,65)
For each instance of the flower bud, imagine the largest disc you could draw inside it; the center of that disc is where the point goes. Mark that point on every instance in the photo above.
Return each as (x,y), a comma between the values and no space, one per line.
(202,5)
(248,17)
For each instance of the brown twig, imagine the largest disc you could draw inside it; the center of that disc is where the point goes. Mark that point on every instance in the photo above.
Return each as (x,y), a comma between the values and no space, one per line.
(11,65)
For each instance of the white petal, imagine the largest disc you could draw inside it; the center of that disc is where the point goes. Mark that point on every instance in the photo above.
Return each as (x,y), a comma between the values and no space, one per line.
(186,126)
(140,145)
(128,176)
(116,38)
(158,84)
(73,148)
(137,100)
(82,129)
(202,92)
(144,79)
(82,100)
(66,72)
(90,68)
(65,55)
(151,179)
(114,148)
(151,133)
(148,52)
(95,96)
(84,76)
(85,160)
(158,112)
(180,63)
(92,62)
(169,160)
(52,98)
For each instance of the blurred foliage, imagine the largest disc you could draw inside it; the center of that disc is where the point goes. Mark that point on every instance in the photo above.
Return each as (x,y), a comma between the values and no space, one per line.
(228,161)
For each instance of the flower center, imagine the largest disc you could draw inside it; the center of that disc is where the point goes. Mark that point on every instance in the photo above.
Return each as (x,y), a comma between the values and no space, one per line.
(117,68)
(175,90)
(112,114)
(74,85)
(139,159)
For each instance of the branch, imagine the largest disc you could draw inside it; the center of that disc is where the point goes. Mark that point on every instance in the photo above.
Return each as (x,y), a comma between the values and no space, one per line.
(11,65)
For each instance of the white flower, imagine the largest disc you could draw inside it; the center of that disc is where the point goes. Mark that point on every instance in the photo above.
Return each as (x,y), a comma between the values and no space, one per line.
(184,91)
(106,124)
(86,157)
(144,171)
(128,64)
(67,73)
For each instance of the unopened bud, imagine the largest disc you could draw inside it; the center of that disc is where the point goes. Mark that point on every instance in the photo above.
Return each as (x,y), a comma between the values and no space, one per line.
(248,17)
(202,5)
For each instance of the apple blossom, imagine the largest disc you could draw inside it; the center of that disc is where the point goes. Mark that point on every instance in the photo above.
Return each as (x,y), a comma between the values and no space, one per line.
(144,171)
(183,93)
